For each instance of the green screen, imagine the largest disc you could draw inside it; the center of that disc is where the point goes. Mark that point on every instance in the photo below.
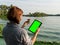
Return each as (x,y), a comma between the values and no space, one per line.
(34,26)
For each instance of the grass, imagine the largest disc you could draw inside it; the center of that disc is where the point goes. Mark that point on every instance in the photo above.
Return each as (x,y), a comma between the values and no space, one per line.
(1,28)
(46,43)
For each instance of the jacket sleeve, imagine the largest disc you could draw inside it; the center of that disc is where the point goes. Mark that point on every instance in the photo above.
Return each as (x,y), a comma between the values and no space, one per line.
(26,40)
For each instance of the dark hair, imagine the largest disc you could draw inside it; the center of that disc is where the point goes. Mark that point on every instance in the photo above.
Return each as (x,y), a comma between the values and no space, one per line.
(12,14)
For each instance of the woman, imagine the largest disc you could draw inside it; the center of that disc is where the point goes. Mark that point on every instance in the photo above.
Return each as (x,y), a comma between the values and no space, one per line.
(12,33)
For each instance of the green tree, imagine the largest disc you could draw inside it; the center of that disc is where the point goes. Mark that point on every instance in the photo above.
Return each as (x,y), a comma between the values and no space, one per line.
(3,11)
(37,14)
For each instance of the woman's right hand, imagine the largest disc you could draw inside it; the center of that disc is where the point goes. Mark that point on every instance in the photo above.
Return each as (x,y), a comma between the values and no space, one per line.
(25,23)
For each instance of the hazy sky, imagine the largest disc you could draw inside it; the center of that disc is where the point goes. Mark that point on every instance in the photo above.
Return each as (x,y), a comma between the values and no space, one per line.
(46,6)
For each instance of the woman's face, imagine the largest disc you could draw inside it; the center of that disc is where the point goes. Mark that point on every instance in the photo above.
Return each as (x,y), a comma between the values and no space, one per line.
(19,14)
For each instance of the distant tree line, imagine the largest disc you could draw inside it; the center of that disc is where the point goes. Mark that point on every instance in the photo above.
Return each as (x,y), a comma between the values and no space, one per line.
(36,14)
(40,14)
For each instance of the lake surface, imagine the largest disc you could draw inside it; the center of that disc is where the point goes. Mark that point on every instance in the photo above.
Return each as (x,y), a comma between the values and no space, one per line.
(50,29)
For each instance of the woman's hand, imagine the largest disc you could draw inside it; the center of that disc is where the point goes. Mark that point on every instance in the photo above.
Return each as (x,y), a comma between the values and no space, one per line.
(25,23)
(35,35)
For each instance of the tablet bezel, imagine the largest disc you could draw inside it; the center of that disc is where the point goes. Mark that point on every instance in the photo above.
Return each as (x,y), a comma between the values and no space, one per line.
(32,24)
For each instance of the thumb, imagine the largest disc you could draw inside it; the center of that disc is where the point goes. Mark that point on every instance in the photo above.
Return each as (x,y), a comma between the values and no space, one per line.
(38,29)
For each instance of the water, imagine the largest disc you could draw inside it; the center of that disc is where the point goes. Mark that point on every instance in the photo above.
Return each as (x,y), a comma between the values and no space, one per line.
(50,29)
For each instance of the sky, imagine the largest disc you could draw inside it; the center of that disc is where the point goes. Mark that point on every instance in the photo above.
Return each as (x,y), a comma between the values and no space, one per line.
(46,6)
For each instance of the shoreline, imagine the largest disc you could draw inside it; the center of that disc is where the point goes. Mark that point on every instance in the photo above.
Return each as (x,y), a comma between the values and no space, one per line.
(41,42)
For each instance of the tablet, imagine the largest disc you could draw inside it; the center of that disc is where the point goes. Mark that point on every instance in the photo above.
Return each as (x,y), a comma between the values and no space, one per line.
(34,26)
